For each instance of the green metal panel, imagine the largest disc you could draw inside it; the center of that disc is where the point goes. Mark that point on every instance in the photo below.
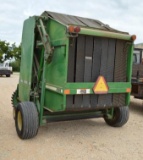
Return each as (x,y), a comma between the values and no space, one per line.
(42,93)
(56,31)
(26,59)
(57,99)
(101,33)
(114,87)
(54,101)
(129,69)
(56,71)
(129,65)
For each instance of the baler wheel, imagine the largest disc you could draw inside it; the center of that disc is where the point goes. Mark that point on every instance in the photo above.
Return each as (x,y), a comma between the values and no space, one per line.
(120,117)
(26,120)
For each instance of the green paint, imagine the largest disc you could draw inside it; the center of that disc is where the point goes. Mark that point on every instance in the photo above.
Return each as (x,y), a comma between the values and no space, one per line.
(27,49)
(114,87)
(102,33)
(52,75)
(129,69)
(42,93)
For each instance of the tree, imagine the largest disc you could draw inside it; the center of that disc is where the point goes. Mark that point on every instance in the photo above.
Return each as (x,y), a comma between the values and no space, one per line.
(9,51)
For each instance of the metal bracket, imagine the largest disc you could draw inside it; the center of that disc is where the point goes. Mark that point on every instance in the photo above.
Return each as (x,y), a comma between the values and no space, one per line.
(45,40)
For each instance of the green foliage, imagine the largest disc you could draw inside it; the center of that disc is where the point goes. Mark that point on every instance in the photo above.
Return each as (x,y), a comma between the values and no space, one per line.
(15,65)
(9,51)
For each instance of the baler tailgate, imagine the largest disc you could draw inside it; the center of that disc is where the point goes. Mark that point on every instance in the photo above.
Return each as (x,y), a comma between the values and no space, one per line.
(90,57)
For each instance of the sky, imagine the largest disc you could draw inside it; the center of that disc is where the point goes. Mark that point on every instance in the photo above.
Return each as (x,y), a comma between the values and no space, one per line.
(124,15)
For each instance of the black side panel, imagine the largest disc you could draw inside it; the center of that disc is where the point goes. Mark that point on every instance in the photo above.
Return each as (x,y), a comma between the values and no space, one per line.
(96,66)
(111,60)
(71,60)
(80,63)
(110,68)
(88,67)
(120,70)
(71,68)
(107,68)
(96,58)
(104,58)
(119,99)
(120,65)
(103,68)
(80,60)
(90,57)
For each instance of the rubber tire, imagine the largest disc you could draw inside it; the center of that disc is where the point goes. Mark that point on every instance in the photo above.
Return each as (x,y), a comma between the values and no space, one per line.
(120,117)
(30,122)
(14,113)
(8,75)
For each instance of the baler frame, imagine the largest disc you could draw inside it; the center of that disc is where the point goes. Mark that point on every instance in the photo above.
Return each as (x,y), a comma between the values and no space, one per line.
(33,84)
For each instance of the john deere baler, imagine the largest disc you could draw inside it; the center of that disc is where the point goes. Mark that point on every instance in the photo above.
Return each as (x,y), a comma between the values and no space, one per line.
(72,68)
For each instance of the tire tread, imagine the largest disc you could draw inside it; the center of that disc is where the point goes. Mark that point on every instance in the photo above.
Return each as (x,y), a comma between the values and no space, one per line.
(30,120)
(121,119)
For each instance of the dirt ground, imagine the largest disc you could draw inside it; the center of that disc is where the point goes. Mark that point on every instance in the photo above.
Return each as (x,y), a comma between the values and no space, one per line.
(89,139)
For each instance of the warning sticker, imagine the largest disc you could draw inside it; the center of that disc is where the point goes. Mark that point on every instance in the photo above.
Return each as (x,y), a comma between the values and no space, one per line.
(83,91)
(100,86)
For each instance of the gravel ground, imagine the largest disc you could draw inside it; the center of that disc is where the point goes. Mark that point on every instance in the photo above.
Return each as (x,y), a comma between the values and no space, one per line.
(74,140)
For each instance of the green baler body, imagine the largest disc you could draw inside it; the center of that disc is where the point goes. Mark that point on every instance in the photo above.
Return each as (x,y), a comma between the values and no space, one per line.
(53,77)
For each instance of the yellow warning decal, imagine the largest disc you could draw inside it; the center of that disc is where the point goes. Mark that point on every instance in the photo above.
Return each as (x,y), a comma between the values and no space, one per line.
(100,86)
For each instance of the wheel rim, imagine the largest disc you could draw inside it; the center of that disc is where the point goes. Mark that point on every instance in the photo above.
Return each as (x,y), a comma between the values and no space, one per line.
(19,120)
